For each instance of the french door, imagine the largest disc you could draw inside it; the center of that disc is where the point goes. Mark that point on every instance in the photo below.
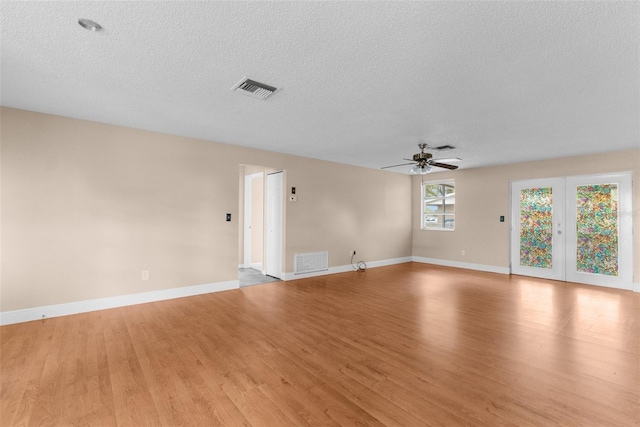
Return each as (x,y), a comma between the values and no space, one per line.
(576,229)
(537,243)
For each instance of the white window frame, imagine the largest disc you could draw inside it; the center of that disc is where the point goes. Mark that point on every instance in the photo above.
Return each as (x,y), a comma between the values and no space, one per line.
(423,214)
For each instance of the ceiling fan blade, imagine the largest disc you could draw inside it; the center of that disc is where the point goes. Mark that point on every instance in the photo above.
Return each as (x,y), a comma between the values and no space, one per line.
(444,165)
(448,160)
(395,166)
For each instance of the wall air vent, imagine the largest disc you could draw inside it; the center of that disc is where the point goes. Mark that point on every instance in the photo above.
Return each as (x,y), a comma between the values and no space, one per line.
(311,262)
(444,147)
(254,89)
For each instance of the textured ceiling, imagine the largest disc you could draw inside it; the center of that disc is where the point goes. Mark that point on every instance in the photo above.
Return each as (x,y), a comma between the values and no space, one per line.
(363,82)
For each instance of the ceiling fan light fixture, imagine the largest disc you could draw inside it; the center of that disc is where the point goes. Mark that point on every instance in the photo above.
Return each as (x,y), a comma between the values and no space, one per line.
(420,170)
(423,162)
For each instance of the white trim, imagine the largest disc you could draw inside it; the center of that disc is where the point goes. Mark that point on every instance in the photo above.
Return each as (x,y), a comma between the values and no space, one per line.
(256,266)
(422,212)
(503,270)
(392,261)
(467,265)
(37,313)
(345,268)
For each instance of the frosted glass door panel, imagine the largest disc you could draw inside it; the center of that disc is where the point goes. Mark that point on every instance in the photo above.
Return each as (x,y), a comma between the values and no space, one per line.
(536,227)
(599,234)
(537,244)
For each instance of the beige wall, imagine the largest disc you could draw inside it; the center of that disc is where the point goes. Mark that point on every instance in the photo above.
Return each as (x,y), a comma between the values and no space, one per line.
(482,195)
(87,206)
(368,207)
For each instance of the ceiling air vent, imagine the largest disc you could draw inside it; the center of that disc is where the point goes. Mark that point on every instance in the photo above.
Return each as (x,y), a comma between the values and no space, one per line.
(444,147)
(254,89)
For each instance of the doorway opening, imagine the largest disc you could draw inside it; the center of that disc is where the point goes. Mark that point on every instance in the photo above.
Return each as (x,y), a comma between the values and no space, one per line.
(251,277)
(261,225)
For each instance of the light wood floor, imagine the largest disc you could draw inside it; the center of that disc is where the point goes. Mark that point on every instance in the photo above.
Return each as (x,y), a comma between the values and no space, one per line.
(410,345)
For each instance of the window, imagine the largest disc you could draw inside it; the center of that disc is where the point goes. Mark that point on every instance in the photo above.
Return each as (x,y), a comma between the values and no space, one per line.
(438,205)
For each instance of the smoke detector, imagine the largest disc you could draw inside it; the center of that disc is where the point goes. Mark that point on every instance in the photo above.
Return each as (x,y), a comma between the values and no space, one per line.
(254,89)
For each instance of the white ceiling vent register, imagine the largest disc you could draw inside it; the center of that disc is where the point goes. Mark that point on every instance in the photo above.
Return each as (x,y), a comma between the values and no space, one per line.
(254,89)
(311,262)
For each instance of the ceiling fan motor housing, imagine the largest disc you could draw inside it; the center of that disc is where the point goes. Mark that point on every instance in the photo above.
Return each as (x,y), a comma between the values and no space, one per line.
(421,157)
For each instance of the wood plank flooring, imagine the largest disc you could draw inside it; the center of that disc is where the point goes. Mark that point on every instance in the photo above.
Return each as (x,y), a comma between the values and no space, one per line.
(404,345)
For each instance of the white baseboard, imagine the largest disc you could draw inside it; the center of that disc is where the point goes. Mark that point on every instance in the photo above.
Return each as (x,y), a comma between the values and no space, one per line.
(345,268)
(37,313)
(392,261)
(467,265)
(635,287)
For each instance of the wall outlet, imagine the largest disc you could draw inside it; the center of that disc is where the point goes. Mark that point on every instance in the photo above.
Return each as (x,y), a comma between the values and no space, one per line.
(352,253)
(145,274)
(463,252)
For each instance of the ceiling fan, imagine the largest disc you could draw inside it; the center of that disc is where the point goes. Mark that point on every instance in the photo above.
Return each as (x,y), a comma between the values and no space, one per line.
(423,162)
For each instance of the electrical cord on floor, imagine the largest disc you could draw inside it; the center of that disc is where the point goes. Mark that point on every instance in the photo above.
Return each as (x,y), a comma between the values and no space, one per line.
(360,266)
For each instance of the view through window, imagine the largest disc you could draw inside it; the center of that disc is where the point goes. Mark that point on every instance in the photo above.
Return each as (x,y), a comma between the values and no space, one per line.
(439,205)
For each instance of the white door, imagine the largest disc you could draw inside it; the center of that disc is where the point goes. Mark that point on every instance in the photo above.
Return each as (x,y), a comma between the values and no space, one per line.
(275,200)
(577,229)
(600,235)
(537,224)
